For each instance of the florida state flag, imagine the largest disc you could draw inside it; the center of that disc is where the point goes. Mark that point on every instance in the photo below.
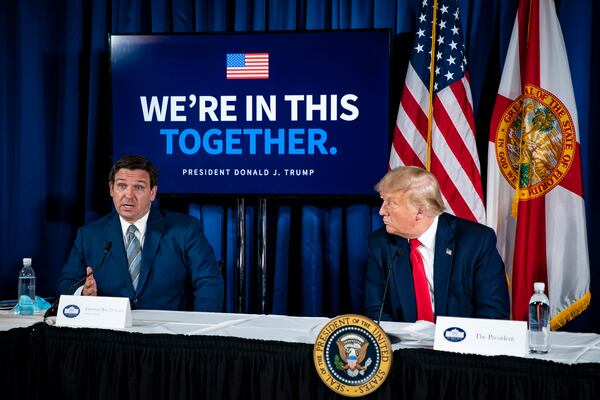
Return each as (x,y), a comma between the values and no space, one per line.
(534,187)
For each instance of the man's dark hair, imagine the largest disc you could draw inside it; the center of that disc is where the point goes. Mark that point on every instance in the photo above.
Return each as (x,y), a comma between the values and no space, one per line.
(134,162)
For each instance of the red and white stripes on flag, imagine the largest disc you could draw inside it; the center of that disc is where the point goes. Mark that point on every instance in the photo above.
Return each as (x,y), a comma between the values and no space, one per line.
(534,146)
(453,152)
(247,66)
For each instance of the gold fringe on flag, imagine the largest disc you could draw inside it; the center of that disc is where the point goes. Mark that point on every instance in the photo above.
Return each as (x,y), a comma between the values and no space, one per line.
(570,312)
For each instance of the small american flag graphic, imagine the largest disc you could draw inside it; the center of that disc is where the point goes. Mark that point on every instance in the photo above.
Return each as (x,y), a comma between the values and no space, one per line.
(248,66)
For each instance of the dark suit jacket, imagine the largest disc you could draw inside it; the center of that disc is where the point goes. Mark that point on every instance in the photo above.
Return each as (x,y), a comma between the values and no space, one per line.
(468,274)
(179,270)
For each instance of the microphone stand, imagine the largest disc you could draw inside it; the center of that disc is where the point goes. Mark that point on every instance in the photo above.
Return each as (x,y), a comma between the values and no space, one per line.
(387,283)
(53,310)
(393,339)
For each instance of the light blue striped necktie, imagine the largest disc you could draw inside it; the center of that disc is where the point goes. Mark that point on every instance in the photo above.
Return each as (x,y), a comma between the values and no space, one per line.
(134,255)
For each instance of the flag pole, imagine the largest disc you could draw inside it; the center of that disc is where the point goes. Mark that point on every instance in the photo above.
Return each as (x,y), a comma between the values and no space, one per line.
(515,202)
(431,86)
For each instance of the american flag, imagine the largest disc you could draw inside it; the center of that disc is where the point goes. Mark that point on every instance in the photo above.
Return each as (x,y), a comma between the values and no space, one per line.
(248,66)
(453,152)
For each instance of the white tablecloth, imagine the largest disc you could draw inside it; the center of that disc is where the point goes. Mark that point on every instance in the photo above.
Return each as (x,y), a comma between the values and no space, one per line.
(566,347)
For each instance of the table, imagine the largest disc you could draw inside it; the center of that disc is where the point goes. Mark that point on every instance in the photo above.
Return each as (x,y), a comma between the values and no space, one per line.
(172,355)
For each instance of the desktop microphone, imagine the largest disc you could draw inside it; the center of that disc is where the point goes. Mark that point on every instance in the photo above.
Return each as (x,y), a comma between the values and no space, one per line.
(52,311)
(387,282)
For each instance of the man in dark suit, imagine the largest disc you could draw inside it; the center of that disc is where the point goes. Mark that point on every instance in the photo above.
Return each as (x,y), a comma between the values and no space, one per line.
(158,259)
(462,272)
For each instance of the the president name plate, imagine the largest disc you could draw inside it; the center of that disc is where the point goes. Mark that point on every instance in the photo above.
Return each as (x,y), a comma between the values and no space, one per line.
(481,336)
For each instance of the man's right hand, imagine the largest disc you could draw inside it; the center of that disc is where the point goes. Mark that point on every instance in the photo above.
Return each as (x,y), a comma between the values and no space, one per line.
(89,287)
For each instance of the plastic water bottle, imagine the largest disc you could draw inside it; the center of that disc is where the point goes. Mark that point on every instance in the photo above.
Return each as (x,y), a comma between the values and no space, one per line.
(539,320)
(26,288)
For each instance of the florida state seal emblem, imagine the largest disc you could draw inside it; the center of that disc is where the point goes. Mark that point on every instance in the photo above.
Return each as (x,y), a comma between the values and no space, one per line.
(535,142)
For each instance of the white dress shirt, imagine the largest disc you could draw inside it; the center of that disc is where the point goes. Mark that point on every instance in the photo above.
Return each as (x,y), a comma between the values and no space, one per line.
(427,250)
(140,224)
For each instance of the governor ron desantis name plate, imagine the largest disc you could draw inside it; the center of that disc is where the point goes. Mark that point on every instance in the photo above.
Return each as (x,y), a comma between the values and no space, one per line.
(352,355)
(94,312)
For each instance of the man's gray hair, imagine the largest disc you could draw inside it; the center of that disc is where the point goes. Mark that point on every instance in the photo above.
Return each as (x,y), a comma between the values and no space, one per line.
(418,185)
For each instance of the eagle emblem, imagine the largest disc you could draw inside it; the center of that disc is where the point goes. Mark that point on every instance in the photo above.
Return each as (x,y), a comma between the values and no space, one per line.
(352,355)
(352,352)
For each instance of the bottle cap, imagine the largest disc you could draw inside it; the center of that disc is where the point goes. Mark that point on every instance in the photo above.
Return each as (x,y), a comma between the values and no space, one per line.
(539,286)
(27,261)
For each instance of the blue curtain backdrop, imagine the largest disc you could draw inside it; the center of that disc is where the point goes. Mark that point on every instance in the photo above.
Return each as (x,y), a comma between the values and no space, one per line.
(55,136)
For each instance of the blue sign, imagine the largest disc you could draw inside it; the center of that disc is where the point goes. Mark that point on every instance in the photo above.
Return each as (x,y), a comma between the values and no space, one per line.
(455,334)
(71,311)
(259,113)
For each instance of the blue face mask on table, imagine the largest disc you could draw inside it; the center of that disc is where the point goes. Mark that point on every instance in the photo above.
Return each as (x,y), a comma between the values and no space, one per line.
(39,305)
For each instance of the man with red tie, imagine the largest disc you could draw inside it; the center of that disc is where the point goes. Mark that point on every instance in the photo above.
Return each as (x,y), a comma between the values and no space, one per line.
(437,264)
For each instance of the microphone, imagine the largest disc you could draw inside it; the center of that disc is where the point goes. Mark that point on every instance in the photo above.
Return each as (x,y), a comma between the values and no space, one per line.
(53,310)
(387,283)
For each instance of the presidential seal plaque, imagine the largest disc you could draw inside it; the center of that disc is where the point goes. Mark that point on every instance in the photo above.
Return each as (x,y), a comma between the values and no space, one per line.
(352,355)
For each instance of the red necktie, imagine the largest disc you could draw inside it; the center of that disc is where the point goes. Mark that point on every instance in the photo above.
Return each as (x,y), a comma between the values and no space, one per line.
(424,311)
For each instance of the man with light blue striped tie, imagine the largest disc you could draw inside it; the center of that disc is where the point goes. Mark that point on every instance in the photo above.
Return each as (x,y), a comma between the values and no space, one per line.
(134,254)
(158,259)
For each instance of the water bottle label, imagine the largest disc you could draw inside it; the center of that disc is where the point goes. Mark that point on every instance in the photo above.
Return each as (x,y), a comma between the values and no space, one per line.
(539,326)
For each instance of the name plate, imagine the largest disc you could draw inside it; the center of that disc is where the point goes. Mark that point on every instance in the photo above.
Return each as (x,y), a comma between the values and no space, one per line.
(94,312)
(490,337)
